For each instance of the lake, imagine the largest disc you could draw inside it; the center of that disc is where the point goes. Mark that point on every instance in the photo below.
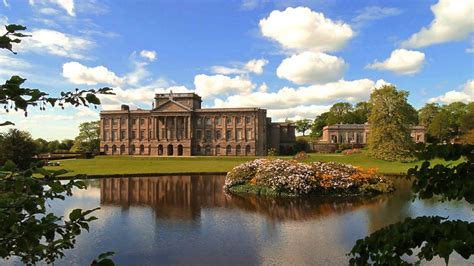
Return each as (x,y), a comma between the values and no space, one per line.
(189,220)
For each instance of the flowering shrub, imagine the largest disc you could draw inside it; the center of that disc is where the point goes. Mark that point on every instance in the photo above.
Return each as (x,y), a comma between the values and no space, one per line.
(351,151)
(300,156)
(299,178)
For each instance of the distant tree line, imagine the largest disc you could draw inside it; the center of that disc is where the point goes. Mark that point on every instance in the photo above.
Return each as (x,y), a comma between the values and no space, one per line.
(444,123)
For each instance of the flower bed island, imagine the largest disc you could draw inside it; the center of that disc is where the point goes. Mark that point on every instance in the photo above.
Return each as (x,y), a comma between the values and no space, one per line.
(278,177)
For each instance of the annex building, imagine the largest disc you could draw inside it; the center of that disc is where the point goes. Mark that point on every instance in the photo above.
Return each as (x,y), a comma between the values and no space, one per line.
(358,134)
(178,126)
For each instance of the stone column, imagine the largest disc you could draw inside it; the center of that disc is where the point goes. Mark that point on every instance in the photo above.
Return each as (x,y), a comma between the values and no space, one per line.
(165,135)
(102,128)
(175,121)
(189,127)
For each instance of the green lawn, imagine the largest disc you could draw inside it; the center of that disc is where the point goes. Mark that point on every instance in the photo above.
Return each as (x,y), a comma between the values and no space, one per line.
(110,165)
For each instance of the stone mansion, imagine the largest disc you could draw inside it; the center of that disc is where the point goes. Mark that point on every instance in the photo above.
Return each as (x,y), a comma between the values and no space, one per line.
(178,126)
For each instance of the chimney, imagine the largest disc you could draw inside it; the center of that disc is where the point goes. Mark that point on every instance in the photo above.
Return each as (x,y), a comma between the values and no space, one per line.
(125,107)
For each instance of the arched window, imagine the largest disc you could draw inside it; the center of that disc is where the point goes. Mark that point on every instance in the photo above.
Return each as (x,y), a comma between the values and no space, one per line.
(132,149)
(142,149)
(228,150)
(122,149)
(106,148)
(218,150)
(170,150)
(114,149)
(247,150)
(207,150)
(238,150)
(180,150)
(160,149)
(149,149)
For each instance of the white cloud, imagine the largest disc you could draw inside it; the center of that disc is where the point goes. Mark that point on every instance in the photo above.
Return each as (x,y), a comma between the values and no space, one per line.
(371,13)
(342,90)
(150,55)
(219,84)
(138,97)
(312,68)
(263,87)
(302,29)
(298,112)
(401,61)
(466,94)
(48,11)
(80,74)
(253,66)
(67,5)
(453,21)
(57,43)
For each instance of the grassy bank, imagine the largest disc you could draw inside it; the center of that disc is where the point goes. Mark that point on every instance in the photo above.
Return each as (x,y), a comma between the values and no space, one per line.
(111,165)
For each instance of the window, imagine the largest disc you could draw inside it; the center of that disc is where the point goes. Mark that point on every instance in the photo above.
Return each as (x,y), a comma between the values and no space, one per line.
(238,150)
(106,135)
(134,121)
(149,134)
(134,134)
(142,121)
(228,120)
(207,121)
(114,135)
(198,134)
(199,121)
(122,134)
(218,120)
(106,148)
(247,150)
(142,134)
(208,135)
(247,120)
(238,120)
(106,122)
(239,134)
(218,134)
(122,121)
(114,121)
(228,134)
(248,134)
(228,150)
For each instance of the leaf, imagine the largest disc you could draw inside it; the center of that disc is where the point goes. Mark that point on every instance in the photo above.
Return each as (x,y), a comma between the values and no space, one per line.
(75,214)
(14,27)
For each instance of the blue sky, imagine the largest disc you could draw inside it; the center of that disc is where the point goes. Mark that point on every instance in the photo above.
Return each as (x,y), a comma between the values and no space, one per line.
(293,57)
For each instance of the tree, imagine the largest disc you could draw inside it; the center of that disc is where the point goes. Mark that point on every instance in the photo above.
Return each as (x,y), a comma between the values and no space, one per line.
(390,121)
(53,145)
(319,123)
(18,147)
(27,230)
(41,145)
(439,126)
(88,139)
(429,236)
(340,113)
(301,125)
(427,113)
(361,112)
(66,144)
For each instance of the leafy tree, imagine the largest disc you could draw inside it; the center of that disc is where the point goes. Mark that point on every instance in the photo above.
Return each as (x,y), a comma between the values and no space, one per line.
(53,145)
(361,112)
(27,230)
(439,126)
(18,147)
(301,126)
(41,145)
(66,144)
(455,113)
(318,124)
(390,120)
(427,113)
(88,139)
(340,113)
(428,236)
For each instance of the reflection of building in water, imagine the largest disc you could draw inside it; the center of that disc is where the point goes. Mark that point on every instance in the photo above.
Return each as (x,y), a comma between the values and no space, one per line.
(175,197)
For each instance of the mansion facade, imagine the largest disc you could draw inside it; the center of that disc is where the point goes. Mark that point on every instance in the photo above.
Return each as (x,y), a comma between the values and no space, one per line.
(358,134)
(178,126)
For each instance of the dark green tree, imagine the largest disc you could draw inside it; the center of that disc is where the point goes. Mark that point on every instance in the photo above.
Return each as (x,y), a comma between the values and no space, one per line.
(301,126)
(340,113)
(66,144)
(18,147)
(427,113)
(390,121)
(27,230)
(41,145)
(427,236)
(439,127)
(318,124)
(361,112)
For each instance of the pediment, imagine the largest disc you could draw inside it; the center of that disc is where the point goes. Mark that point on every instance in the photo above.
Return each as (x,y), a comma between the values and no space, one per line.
(171,106)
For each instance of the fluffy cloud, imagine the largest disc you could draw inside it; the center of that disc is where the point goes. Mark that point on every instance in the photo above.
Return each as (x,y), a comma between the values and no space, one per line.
(150,55)
(302,29)
(342,90)
(80,74)
(466,94)
(311,68)
(219,84)
(67,5)
(452,22)
(252,66)
(57,43)
(401,61)
(138,97)
(298,112)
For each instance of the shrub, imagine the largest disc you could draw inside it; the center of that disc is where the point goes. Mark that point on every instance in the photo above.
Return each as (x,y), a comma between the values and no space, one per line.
(351,151)
(300,156)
